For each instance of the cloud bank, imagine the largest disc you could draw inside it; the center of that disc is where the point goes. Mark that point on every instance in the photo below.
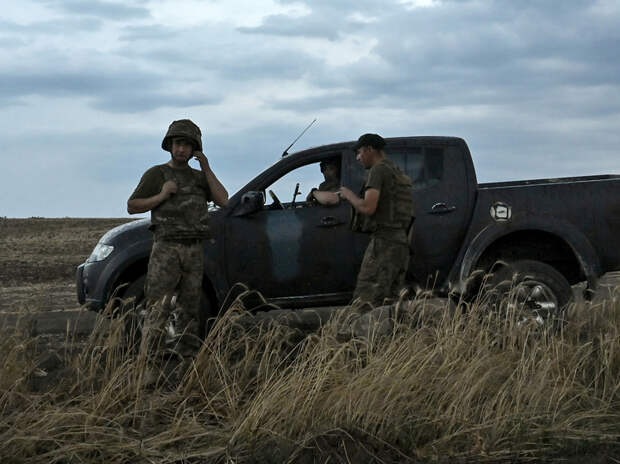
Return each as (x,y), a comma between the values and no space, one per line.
(89,88)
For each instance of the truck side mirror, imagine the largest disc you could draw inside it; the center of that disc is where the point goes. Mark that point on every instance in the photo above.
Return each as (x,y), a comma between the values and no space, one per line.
(251,202)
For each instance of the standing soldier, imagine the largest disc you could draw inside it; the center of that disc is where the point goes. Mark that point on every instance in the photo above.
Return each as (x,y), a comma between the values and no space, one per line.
(385,210)
(177,197)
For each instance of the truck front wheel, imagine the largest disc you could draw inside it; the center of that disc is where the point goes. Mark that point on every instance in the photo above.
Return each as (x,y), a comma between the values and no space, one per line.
(532,286)
(135,317)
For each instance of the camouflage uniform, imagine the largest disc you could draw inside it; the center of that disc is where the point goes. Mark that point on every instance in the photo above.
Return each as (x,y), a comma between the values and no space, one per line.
(383,269)
(174,268)
(180,226)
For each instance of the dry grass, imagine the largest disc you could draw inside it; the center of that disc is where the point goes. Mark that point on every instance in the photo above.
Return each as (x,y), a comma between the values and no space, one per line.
(440,386)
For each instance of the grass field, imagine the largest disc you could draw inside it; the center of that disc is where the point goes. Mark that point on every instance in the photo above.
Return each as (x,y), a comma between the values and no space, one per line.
(439,386)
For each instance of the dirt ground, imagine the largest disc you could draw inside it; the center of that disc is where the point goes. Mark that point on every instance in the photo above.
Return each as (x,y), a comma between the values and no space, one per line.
(38,259)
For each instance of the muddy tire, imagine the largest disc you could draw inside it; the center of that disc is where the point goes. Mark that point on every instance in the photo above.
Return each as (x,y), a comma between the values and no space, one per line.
(536,288)
(134,312)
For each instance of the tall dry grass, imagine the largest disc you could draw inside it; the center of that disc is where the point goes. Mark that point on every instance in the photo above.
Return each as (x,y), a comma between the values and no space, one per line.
(441,385)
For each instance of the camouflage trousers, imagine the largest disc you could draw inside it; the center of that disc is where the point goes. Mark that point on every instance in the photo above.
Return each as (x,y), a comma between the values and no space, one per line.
(175,270)
(383,269)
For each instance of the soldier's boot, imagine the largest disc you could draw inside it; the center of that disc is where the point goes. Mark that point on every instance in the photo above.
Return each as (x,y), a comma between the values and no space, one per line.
(154,330)
(186,343)
(153,342)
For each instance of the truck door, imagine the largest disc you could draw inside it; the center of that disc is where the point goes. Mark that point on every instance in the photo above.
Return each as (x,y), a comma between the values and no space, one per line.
(302,249)
(443,203)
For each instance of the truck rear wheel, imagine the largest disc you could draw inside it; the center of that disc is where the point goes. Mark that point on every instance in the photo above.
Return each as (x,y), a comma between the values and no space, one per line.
(534,287)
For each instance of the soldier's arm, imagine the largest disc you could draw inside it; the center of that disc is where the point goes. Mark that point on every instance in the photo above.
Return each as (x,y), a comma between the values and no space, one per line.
(142,205)
(326,198)
(219,195)
(366,205)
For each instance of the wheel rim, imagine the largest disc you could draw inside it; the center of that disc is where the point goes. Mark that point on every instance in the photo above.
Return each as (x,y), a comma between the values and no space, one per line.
(535,299)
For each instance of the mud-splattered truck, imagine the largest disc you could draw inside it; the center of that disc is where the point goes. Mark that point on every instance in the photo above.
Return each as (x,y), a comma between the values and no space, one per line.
(550,233)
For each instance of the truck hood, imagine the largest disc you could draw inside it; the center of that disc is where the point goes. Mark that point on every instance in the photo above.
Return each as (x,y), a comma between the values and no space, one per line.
(131,231)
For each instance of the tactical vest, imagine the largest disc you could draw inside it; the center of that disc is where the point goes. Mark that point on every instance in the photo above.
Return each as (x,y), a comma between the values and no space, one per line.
(401,214)
(184,215)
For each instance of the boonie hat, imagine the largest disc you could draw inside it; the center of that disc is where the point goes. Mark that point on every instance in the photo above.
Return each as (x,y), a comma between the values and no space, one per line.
(370,140)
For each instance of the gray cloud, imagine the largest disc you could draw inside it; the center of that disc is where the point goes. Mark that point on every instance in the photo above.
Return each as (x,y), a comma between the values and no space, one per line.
(151,32)
(131,92)
(283,25)
(462,53)
(534,87)
(101,9)
(11,42)
(222,53)
(327,20)
(27,32)
(135,100)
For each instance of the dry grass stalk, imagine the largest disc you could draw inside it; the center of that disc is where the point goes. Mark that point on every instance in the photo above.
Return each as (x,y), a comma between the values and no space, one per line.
(473,385)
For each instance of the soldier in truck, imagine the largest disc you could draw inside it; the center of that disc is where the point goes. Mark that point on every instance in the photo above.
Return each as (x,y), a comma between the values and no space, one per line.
(325,194)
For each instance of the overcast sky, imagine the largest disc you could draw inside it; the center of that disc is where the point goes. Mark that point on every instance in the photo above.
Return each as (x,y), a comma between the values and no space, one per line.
(88,88)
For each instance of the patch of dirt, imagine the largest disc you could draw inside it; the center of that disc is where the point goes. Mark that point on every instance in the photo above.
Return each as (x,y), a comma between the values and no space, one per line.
(37,297)
(39,257)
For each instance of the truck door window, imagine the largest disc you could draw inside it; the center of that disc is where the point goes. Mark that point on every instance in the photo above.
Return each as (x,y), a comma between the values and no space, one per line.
(433,158)
(423,165)
(308,177)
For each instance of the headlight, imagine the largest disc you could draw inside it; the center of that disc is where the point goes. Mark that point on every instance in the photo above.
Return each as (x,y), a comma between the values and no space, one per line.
(100,253)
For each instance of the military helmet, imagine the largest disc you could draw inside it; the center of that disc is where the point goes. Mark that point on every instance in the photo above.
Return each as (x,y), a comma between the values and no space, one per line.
(182,128)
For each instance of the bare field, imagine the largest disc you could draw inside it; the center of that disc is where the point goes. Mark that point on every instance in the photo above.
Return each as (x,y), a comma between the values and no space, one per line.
(38,258)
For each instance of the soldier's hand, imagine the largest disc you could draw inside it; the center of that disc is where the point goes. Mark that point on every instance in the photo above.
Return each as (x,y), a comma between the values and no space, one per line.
(202,159)
(169,188)
(345,193)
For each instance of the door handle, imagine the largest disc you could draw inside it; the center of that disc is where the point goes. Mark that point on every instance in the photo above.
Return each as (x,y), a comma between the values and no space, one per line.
(441,208)
(329,221)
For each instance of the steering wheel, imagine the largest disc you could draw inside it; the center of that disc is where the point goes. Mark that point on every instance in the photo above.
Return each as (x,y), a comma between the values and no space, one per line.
(277,204)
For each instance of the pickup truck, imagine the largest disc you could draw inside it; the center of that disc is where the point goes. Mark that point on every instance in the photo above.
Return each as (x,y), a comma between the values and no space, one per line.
(548,234)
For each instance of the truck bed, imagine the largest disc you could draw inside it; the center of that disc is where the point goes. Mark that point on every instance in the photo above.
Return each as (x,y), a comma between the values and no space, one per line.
(558,180)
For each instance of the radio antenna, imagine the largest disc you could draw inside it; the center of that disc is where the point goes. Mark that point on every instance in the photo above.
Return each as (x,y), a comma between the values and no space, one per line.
(285,152)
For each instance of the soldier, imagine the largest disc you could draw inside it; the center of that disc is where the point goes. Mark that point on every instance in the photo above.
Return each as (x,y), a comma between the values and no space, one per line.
(177,196)
(325,193)
(385,210)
